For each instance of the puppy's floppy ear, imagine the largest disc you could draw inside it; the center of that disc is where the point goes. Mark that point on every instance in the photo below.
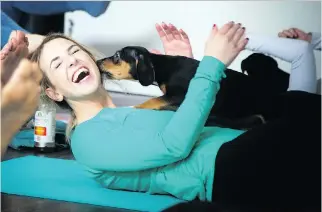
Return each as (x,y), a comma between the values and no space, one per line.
(145,70)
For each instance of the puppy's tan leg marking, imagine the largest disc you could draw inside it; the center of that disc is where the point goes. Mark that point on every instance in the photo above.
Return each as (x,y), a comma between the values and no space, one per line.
(154,104)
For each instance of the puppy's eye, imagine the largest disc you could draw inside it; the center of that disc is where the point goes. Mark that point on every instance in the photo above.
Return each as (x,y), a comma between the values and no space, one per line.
(58,66)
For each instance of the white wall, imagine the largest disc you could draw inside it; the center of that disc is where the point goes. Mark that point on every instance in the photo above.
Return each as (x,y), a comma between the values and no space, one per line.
(132,23)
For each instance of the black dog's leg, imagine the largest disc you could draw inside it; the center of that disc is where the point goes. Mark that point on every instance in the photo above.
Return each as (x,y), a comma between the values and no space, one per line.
(170,107)
(237,123)
(174,103)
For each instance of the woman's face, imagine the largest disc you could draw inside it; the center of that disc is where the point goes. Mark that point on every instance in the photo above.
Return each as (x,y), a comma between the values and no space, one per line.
(71,71)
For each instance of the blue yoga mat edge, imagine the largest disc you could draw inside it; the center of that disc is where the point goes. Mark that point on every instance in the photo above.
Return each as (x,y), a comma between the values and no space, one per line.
(13,169)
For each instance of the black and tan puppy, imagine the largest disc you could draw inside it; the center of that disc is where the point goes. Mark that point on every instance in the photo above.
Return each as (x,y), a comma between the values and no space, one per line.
(173,74)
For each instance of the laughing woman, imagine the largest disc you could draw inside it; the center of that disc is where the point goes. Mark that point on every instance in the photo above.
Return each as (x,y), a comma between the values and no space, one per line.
(164,152)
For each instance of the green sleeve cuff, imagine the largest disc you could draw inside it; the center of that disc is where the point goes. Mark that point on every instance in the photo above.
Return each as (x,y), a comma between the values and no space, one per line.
(213,60)
(211,68)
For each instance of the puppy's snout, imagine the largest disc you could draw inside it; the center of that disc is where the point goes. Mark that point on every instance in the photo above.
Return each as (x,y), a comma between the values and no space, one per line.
(102,64)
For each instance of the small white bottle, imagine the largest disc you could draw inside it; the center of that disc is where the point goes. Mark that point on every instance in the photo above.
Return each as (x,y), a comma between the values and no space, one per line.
(45,127)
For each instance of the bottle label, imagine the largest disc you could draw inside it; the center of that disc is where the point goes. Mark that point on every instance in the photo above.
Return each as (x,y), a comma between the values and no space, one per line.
(45,129)
(40,131)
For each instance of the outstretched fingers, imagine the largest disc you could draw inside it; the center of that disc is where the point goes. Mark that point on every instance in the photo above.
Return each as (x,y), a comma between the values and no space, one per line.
(167,31)
(176,34)
(161,33)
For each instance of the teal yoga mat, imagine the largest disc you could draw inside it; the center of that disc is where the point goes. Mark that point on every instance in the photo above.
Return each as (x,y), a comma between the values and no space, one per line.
(66,180)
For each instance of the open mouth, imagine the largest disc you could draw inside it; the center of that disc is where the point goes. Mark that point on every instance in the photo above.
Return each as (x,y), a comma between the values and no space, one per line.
(80,75)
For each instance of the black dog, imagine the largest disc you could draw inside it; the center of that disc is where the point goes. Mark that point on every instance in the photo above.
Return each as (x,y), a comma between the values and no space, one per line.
(236,100)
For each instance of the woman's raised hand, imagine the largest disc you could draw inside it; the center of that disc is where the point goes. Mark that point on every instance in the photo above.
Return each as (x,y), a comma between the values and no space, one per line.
(226,43)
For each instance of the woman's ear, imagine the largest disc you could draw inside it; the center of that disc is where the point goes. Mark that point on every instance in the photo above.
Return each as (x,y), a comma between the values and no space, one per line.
(54,95)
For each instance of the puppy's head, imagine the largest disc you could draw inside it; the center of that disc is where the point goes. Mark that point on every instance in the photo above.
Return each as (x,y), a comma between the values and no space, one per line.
(259,65)
(129,63)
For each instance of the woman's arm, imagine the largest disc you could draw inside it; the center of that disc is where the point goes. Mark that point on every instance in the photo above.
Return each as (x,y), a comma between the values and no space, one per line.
(192,114)
(124,149)
(297,52)
(294,33)
(315,40)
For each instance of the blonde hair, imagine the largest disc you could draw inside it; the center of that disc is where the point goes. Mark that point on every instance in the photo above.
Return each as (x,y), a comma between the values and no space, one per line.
(45,83)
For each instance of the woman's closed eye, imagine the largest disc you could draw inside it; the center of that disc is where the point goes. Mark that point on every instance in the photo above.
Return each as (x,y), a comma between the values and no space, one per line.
(76,50)
(73,52)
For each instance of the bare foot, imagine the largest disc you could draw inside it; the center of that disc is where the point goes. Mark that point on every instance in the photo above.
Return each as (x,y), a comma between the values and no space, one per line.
(20,87)
(19,97)
(13,52)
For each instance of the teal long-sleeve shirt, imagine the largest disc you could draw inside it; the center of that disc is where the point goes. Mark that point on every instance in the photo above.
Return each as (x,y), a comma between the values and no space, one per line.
(158,152)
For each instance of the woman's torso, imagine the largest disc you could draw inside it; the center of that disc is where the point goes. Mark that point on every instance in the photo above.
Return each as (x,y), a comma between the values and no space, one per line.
(187,179)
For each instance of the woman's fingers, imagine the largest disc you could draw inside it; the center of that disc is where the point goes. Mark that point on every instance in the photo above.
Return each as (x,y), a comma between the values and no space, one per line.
(175,32)
(232,31)
(226,43)
(281,35)
(288,33)
(213,32)
(293,32)
(155,51)
(161,33)
(238,35)
(242,44)
(167,31)
(224,29)
(184,35)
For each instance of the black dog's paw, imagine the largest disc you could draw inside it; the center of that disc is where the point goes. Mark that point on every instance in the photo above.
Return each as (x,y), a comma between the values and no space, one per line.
(251,122)
(246,123)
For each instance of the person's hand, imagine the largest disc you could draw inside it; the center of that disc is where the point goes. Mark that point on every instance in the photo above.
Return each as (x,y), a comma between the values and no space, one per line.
(226,43)
(175,42)
(295,33)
